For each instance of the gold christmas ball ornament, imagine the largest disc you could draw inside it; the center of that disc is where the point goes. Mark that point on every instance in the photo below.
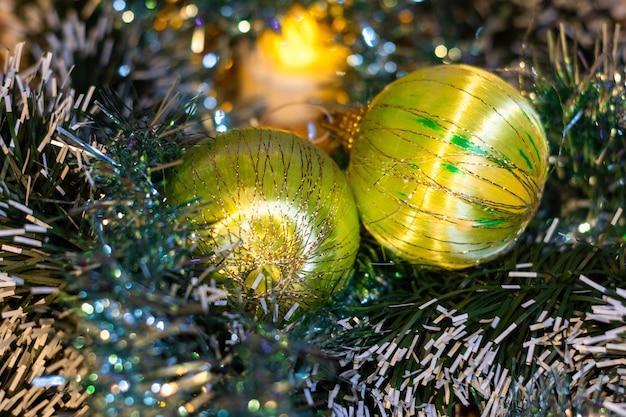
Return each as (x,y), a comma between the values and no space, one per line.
(279,209)
(448,166)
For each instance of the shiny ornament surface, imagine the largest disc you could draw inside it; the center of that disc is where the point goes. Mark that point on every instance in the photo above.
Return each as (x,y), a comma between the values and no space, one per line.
(279,208)
(448,166)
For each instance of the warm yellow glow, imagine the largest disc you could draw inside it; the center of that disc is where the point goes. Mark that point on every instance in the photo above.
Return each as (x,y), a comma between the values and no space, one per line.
(176,22)
(168,389)
(244,26)
(441,51)
(128,16)
(270,405)
(190,11)
(303,45)
(160,24)
(197,40)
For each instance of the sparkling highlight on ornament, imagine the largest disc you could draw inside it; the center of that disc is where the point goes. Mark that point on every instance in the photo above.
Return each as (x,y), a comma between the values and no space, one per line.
(448,166)
(278,208)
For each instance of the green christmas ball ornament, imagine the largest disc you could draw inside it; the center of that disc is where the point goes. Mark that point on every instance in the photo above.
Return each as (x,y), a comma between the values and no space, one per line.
(448,166)
(277,206)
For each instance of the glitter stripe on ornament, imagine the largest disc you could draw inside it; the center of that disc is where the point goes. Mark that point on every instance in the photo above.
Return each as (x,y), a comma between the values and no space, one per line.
(448,166)
(280,203)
